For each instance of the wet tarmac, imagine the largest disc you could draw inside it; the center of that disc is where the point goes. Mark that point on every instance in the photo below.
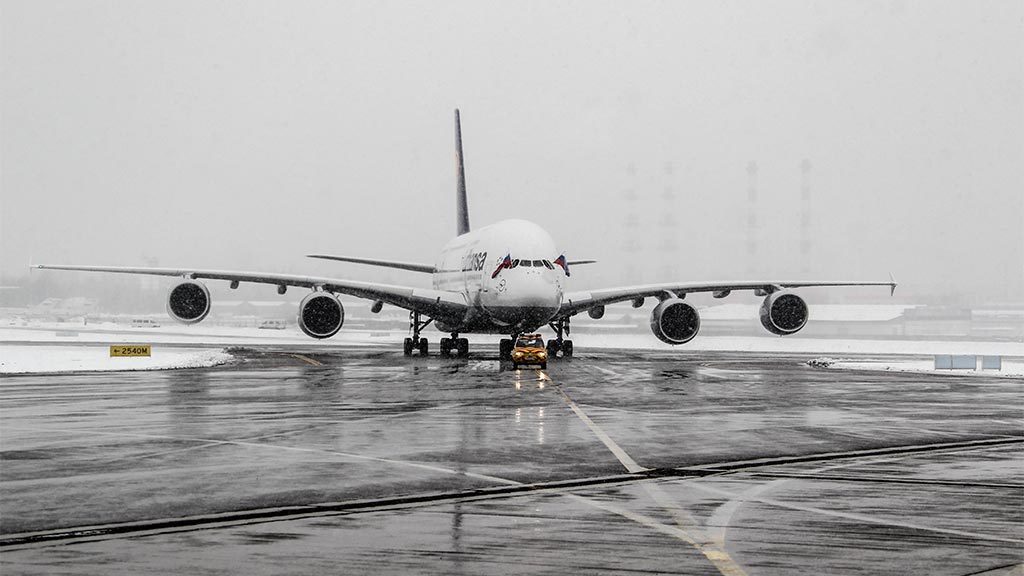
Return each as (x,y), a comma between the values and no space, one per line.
(360,460)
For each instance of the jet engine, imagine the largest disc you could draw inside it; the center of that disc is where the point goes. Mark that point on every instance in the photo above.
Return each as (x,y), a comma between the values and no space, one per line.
(321,315)
(188,302)
(674,321)
(783,313)
(597,312)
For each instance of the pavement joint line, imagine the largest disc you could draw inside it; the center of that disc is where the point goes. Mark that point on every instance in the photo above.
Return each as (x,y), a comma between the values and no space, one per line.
(296,512)
(994,570)
(824,457)
(72,535)
(886,480)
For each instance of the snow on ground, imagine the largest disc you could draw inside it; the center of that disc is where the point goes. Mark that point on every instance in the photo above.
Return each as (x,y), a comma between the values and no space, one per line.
(207,335)
(176,333)
(797,345)
(85,349)
(16,359)
(1011,368)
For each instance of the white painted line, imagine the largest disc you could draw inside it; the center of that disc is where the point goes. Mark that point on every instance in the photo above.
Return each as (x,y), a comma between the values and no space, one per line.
(631,466)
(851,516)
(722,562)
(721,519)
(685,521)
(306,359)
(718,373)
(285,448)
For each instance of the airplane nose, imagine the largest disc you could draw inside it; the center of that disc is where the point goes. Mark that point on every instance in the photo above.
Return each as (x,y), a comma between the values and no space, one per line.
(538,289)
(528,298)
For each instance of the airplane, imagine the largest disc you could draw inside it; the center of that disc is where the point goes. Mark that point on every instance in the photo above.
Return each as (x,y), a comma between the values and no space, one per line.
(506,278)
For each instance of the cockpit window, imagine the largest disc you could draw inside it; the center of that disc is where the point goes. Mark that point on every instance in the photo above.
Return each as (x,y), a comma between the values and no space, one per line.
(532,264)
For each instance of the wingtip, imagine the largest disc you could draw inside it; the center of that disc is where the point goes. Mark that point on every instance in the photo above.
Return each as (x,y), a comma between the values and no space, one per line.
(892,285)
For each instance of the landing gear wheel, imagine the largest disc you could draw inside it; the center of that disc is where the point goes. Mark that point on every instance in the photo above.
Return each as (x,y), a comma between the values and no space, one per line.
(566,348)
(424,346)
(462,345)
(553,348)
(505,349)
(446,346)
(407,347)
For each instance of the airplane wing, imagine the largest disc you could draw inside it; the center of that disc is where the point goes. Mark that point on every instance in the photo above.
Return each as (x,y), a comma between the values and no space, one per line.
(574,302)
(433,303)
(372,262)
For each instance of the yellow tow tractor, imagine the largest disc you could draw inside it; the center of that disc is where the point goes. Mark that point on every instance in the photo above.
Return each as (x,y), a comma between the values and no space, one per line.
(529,349)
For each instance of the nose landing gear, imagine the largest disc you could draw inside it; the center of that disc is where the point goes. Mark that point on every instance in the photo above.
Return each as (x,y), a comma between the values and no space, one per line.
(560,344)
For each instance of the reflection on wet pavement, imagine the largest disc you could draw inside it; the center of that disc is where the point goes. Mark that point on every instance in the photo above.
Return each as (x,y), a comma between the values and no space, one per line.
(433,438)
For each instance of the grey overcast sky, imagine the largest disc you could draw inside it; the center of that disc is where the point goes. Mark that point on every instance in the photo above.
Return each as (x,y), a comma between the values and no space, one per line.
(246,134)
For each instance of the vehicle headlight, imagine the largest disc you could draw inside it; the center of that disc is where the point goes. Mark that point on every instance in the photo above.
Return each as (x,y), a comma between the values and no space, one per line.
(517,354)
(542,354)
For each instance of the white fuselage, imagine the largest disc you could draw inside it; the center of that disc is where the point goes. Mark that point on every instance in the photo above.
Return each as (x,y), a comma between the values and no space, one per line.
(520,298)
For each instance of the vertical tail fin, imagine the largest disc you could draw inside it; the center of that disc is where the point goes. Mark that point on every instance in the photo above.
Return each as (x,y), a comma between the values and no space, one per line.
(462,214)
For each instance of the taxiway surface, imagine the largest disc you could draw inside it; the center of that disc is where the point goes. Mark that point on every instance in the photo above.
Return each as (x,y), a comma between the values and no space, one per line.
(294,461)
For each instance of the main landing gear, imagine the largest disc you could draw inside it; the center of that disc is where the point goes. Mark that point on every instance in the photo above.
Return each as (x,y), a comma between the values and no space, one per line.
(560,344)
(459,345)
(505,348)
(417,343)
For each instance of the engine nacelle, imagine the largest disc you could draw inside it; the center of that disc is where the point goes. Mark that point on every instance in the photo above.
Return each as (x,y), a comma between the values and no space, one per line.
(321,315)
(188,302)
(674,321)
(597,312)
(783,313)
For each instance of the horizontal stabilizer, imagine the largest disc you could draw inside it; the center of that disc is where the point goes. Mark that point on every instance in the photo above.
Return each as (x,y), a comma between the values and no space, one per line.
(427,268)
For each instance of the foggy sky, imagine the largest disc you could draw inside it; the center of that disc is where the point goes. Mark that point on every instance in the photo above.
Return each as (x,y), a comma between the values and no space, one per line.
(243,135)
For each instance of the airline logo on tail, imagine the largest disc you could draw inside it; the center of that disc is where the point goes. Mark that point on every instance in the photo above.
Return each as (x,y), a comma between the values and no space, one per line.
(506,262)
(561,262)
